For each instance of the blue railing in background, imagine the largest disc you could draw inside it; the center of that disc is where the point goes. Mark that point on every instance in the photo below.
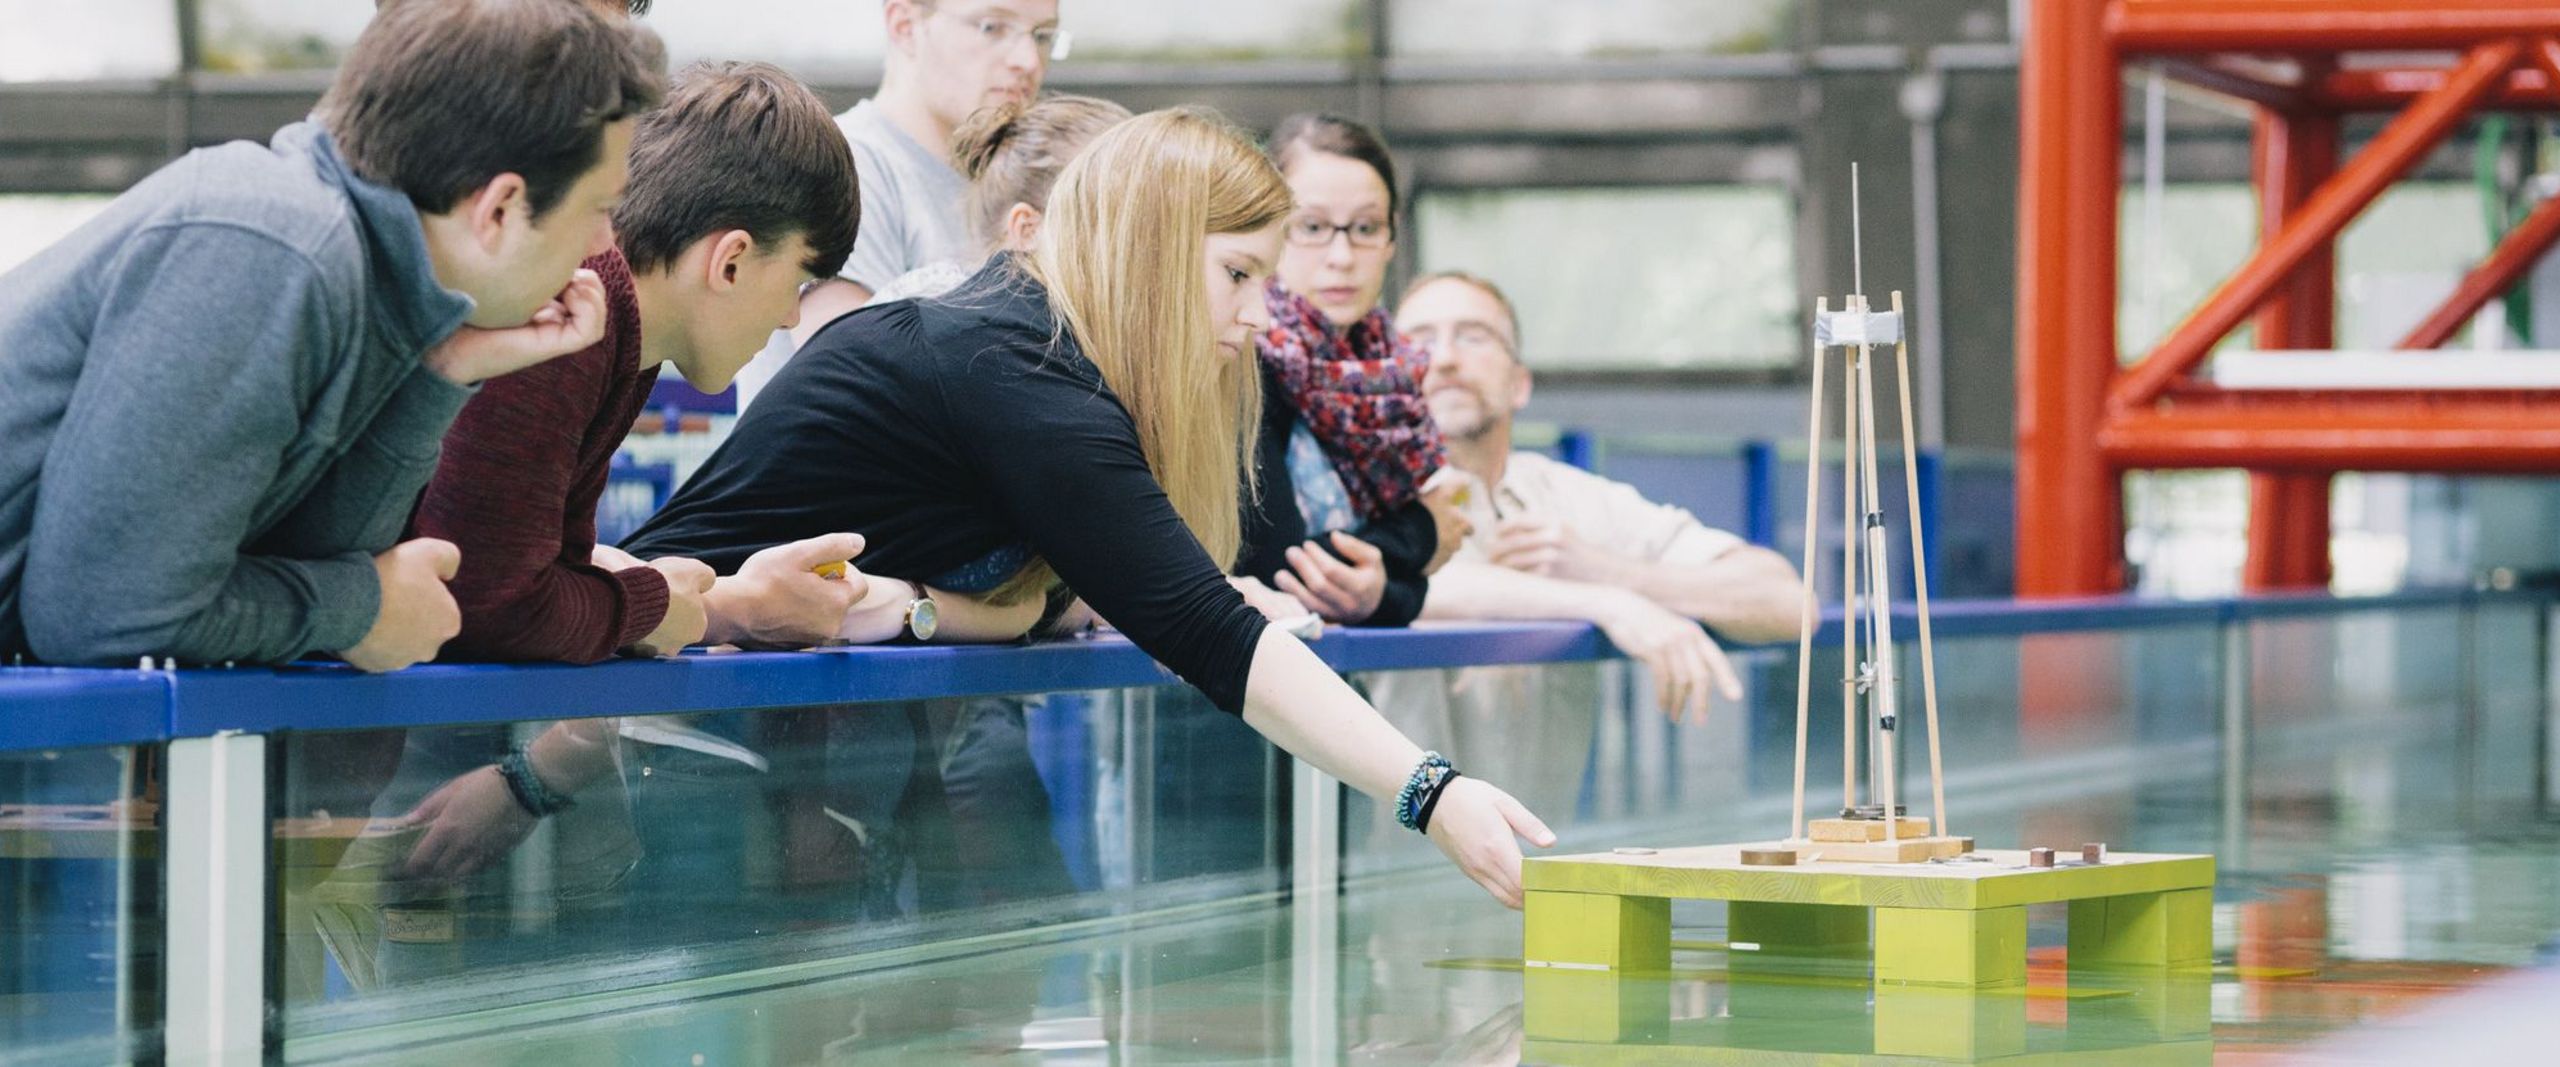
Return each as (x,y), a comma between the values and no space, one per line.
(633,491)
(1754,488)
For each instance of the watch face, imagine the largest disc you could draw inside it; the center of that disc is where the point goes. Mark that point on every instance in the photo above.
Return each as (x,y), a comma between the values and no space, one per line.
(923,619)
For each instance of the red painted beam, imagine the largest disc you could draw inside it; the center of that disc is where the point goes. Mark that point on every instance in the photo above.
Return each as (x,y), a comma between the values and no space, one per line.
(2292,157)
(2325,432)
(2391,154)
(2070,176)
(2506,264)
(2289,510)
(2192,26)
(2216,78)
(2288,531)
(2390,90)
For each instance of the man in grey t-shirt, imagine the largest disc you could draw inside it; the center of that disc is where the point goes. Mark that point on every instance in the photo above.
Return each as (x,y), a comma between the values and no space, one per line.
(946,59)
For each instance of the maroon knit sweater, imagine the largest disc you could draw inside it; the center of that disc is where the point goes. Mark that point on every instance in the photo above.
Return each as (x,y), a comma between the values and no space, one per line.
(517,488)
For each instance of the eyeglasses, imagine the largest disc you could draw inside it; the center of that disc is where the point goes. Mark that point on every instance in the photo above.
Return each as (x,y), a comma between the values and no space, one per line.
(1308,231)
(998,32)
(1469,336)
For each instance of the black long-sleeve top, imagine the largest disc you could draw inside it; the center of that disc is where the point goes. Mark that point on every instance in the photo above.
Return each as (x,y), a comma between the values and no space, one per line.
(1273,524)
(957,431)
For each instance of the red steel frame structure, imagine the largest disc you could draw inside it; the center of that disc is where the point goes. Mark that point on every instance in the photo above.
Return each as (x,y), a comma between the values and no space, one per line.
(2083,420)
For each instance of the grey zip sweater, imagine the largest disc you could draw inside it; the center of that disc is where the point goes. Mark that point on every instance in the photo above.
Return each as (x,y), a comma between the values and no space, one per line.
(212,411)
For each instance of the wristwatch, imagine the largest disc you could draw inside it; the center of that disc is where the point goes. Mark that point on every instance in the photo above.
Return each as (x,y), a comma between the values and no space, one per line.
(922,617)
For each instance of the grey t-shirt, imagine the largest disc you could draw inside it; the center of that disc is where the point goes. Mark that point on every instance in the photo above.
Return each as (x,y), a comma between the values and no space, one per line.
(910,201)
(910,218)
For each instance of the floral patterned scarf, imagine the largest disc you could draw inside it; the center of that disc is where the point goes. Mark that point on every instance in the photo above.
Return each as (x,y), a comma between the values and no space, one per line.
(1359,390)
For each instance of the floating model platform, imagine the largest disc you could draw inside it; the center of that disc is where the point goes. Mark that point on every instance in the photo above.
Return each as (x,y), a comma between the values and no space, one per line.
(1926,941)
(1953,923)
(1874,893)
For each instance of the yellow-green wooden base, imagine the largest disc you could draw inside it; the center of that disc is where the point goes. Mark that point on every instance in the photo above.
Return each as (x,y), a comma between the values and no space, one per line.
(1933,938)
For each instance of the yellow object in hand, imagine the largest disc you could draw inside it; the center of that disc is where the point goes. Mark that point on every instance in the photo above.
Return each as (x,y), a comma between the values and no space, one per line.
(832,570)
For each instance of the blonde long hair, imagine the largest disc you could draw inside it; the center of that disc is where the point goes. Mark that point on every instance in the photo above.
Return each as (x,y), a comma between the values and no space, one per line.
(1120,254)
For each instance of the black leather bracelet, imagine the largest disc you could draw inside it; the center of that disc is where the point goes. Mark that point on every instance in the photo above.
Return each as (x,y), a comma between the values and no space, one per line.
(537,799)
(1054,604)
(1431,800)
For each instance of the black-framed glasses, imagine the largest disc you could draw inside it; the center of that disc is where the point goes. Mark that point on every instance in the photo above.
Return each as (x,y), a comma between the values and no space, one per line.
(1308,231)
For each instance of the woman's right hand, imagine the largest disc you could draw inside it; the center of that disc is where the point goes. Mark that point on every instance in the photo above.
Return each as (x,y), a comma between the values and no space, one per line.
(1480,828)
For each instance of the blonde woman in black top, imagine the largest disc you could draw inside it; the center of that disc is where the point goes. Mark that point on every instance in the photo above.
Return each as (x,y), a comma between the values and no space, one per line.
(1084,413)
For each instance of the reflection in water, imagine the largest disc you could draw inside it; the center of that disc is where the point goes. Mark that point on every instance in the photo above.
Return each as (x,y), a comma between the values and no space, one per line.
(717,844)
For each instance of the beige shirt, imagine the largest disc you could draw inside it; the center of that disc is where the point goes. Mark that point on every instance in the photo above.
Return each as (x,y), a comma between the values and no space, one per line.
(1608,514)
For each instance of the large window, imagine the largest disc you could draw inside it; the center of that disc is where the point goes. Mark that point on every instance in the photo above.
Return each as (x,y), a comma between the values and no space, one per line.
(812,37)
(827,38)
(1587,29)
(1188,30)
(2188,530)
(255,36)
(46,40)
(2399,259)
(1669,278)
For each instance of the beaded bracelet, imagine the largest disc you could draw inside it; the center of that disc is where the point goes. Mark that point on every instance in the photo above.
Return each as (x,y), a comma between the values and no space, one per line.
(1426,779)
(531,794)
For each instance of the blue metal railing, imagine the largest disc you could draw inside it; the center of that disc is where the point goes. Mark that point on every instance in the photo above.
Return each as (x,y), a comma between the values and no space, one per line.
(48,707)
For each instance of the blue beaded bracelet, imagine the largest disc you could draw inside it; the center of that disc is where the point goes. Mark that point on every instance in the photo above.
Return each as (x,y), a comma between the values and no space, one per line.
(1422,784)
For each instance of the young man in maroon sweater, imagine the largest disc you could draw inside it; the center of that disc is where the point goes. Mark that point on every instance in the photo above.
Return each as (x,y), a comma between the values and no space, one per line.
(741,202)
(741,193)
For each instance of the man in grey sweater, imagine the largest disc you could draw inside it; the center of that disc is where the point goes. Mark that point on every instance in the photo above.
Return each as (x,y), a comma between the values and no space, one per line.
(220,398)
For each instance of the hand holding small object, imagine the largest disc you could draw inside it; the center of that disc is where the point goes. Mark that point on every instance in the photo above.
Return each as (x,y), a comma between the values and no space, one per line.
(792,595)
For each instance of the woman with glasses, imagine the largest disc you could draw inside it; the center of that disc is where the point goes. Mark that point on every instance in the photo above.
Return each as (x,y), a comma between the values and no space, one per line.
(1343,522)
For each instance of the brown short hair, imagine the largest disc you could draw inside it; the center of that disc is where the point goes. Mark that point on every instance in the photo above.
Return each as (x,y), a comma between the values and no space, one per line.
(739,146)
(439,96)
(1333,135)
(1012,153)
(1482,284)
